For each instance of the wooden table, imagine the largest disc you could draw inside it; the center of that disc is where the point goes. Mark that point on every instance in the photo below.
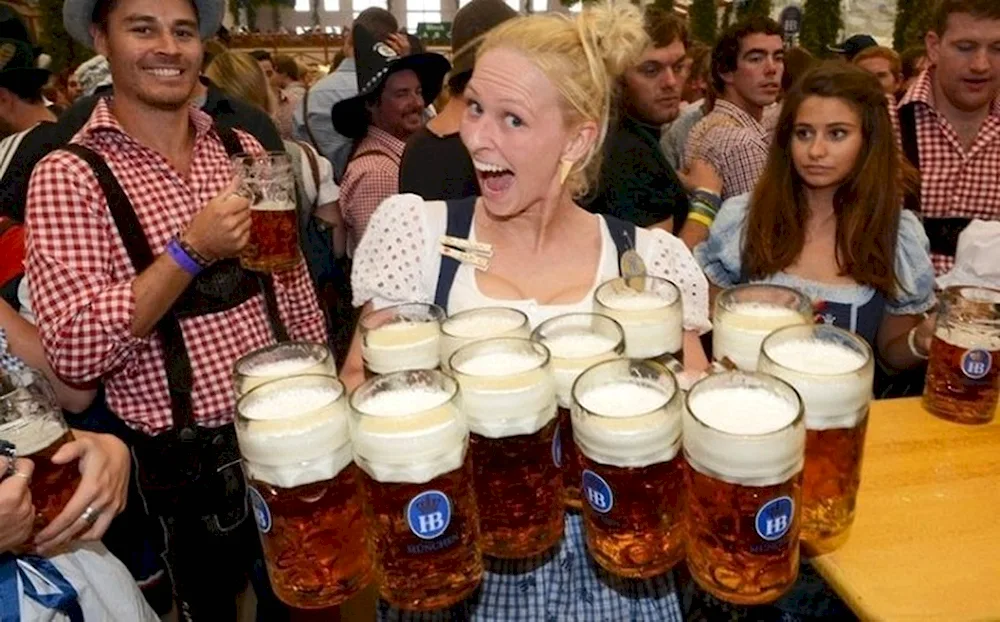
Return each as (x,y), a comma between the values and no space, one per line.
(926,539)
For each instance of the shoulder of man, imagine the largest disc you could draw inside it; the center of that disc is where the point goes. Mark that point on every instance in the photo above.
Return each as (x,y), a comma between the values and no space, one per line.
(19,154)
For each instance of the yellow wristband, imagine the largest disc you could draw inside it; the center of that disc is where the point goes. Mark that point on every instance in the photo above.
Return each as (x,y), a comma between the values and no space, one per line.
(700,218)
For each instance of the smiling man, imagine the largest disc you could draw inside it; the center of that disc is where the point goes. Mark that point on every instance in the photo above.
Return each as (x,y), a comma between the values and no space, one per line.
(950,124)
(734,138)
(134,236)
(393,93)
(637,184)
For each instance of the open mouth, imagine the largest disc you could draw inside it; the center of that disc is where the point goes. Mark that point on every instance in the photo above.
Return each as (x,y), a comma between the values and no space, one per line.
(493,177)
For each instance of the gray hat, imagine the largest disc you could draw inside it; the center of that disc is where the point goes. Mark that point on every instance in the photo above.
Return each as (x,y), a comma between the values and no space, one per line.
(78,15)
(471,23)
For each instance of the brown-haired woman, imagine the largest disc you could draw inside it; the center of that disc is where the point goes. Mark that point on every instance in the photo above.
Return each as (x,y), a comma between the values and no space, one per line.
(826,218)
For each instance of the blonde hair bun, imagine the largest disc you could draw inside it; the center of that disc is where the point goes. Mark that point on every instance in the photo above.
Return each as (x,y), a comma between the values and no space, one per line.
(613,32)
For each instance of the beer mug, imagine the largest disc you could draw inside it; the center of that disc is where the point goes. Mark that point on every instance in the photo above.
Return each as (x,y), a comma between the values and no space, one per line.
(508,396)
(963,373)
(650,315)
(269,183)
(303,487)
(477,324)
(627,426)
(575,342)
(411,443)
(281,360)
(31,420)
(744,441)
(745,314)
(833,371)
(401,337)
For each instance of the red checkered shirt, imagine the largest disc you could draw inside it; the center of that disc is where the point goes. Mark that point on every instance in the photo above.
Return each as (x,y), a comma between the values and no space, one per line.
(372,176)
(735,143)
(954,182)
(81,275)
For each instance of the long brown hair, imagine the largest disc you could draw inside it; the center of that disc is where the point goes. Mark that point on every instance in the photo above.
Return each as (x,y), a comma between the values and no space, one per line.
(867,204)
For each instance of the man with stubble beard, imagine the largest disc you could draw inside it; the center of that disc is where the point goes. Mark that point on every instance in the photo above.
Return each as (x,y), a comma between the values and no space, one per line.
(637,184)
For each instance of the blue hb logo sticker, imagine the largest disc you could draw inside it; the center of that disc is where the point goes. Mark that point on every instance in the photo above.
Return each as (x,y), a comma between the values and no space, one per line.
(774,518)
(261,513)
(557,448)
(976,363)
(598,492)
(429,514)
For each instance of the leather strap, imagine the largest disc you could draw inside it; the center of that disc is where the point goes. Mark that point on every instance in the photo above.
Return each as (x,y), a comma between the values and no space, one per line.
(911,149)
(313,168)
(622,234)
(459,225)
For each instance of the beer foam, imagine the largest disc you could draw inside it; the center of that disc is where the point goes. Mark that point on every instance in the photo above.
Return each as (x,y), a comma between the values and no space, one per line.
(482,323)
(743,435)
(280,369)
(273,206)
(628,299)
(409,435)
(739,330)
(970,337)
(32,435)
(294,436)
(637,424)
(402,345)
(834,381)
(574,352)
(506,393)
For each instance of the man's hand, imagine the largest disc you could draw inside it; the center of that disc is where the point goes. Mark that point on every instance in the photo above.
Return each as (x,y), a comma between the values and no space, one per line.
(701,174)
(17,513)
(222,228)
(399,43)
(104,468)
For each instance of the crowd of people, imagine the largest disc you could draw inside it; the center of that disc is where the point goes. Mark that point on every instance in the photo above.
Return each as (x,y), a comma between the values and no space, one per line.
(549,137)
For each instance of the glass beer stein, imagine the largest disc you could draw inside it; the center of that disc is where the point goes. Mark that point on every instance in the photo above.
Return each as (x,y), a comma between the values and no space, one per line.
(303,487)
(281,360)
(745,314)
(963,372)
(627,426)
(651,316)
(31,421)
(833,370)
(401,337)
(744,441)
(474,325)
(508,396)
(411,442)
(575,342)
(268,181)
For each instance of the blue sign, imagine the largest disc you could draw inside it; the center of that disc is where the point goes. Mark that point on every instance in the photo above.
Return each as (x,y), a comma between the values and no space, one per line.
(977,363)
(557,455)
(429,514)
(261,513)
(774,518)
(598,492)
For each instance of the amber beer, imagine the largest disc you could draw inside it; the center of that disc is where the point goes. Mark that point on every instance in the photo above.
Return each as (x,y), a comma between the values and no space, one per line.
(411,442)
(575,342)
(744,441)
(293,435)
(282,360)
(650,313)
(833,371)
(508,396)
(474,325)
(32,421)
(963,373)
(400,338)
(274,238)
(627,426)
(746,314)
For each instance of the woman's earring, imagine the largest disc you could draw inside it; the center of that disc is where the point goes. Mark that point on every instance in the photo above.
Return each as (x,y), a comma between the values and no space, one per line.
(564,169)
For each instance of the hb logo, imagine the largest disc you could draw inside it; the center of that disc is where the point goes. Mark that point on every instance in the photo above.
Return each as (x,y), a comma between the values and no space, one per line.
(429,514)
(261,513)
(598,492)
(976,364)
(774,518)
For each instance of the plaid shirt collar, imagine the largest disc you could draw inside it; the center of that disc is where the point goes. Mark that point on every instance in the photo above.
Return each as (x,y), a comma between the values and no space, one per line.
(384,141)
(922,92)
(103,120)
(739,115)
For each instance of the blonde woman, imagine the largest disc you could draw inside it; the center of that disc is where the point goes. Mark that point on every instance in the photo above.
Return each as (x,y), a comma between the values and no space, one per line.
(538,106)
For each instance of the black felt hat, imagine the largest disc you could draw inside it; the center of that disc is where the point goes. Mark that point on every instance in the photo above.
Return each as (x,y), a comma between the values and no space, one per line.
(17,54)
(376,61)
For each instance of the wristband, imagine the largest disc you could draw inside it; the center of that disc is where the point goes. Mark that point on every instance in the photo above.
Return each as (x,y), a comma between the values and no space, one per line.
(700,219)
(711,200)
(182,259)
(202,261)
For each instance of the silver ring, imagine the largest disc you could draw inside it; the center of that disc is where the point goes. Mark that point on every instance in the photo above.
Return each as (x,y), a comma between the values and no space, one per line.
(90,515)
